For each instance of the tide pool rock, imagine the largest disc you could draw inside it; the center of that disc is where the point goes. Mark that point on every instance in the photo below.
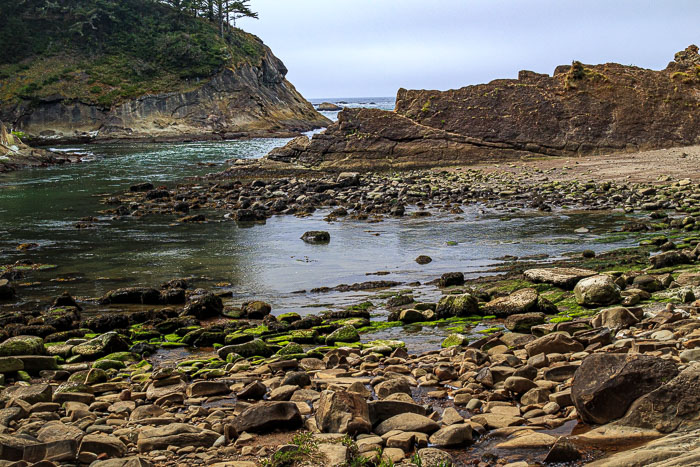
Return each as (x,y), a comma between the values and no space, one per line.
(520,301)
(565,278)
(672,406)
(132,295)
(254,348)
(100,346)
(256,309)
(10,364)
(345,334)
(316,237)
(598,290)
(343,412)
(22,345)
(457,305)
(203,304)
(175,434)
(606,384)
(267,416)
(556,342)
(455,339)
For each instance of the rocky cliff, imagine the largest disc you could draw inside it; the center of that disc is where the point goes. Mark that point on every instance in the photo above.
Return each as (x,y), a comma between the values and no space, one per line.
(117,76)
(15,154)
(580,109)
(252,99)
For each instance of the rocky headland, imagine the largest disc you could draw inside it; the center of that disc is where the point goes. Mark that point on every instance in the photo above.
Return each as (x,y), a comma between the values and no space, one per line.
(579,110)
(182,81)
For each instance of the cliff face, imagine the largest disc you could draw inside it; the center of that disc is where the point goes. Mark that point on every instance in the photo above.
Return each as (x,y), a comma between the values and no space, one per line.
(581,109)
(14,154)
(248,100)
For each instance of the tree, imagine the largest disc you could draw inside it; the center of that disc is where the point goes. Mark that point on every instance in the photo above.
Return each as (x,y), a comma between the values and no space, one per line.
(241,9)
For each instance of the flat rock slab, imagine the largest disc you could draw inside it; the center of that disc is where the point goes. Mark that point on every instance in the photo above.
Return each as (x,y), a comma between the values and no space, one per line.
(565,278)
(175,434)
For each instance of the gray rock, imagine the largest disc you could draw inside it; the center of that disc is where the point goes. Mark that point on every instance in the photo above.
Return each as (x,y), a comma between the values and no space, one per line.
(598,290)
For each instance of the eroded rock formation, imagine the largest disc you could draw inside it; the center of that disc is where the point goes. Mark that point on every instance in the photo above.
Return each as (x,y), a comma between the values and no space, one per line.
(581,109)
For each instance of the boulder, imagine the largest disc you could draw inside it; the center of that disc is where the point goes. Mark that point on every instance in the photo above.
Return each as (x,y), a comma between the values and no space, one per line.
(100,444)
(606,384)
(668,259)
(346,334)
(203,304)
(316,237)
(452,435)
(415,316)
(432,457)
(614,318)
(384,409)
(254,348)
(565,278)
(598,290)
(407,422)
(520,301)
(267,416)
(672,406)
(10,364)
(457,305)
(175,434)
(523,322)
(100,346)
(22,345)
(132,295)
(392,386)
(556,342)
(30,394)
(450,279)
(256,309)
(207,388)
(343,412)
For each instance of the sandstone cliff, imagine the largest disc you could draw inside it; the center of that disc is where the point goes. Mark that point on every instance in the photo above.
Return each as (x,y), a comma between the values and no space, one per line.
(252,99)
(581,109)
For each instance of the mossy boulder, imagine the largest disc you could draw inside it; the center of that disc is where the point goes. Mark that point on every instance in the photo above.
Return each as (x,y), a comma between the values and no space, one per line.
(101,345)
(203,304)
(22,345)
(289,317)
(103,364)
(346,334)
(89,377)
(254,348)
(256,309)
(291,349)
(10,364)
(457,305)
(122,357)
(455,339)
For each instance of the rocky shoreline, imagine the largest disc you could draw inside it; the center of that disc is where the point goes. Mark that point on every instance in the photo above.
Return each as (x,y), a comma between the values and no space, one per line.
(573,362)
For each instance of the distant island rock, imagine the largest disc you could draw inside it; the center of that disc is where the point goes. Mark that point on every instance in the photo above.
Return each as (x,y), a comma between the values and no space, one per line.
(125,81)
(329,107)
(579,110)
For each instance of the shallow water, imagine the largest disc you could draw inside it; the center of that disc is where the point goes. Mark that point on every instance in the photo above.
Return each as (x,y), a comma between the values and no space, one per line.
(267,262)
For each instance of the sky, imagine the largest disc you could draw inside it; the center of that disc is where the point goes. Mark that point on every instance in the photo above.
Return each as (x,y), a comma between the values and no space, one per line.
(371,48)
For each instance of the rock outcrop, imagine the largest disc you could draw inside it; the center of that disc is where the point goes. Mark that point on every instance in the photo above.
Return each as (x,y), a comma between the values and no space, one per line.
(15,154)
(250,99)
(581,109)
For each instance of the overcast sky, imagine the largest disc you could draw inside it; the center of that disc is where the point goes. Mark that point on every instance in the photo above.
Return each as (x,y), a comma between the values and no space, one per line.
(370,48)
